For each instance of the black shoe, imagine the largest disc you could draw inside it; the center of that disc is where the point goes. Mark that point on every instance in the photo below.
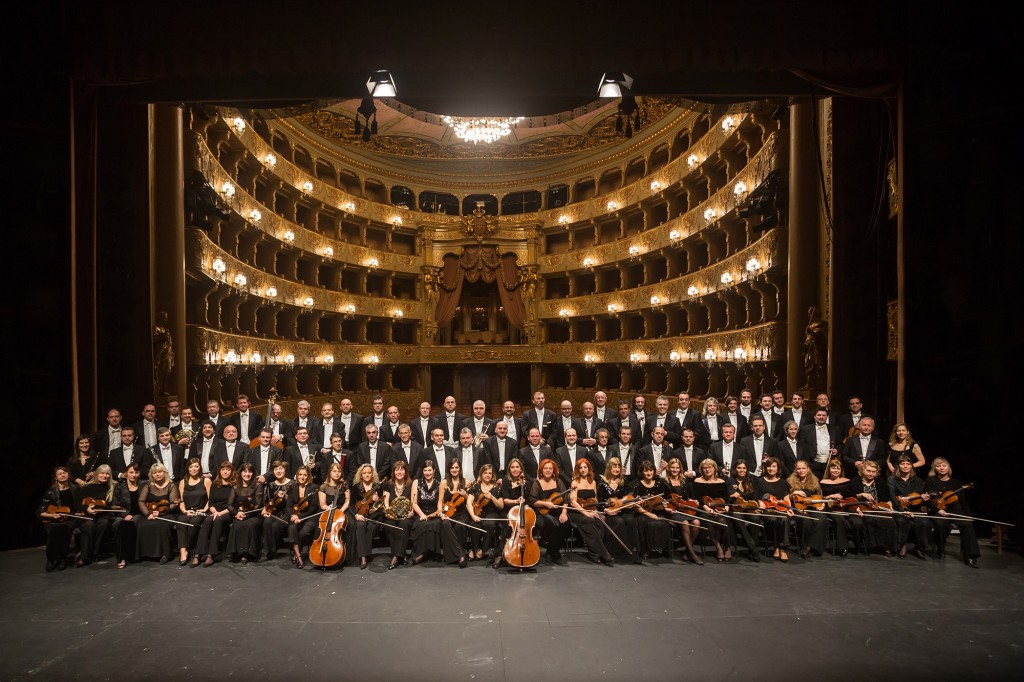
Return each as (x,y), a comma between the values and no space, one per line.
(462,562)
(608,561)
(419,559)
(888,554)
(972,562)
(164,560)
(940,555)
(394,562)
(50,565)
(362,563)
(919,554)
(497,563)
(755,557)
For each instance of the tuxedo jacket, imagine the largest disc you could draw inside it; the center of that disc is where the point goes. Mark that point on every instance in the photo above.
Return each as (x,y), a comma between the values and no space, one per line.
(715,453)
(691,463)
(480,458)
(693,420)
(844,425)
(389,433)
(218,426)
(418,434)
(493,458)
(557,439)
(630,463)
(742,426)
(317,433)
(809,437)
(520,436)
(218,453)
(488,426)
(773,429)
(806,419)
(348,466)
(381,461)
(293,456)
(441,422)
(254,426)
(355,433)
(428,454)
(565,462)
(770,449)
(616,422)
(853,453)
(703,436)
(802,452)
(293,426)
(286,429)
(176,465)
(673,429)
(193,427)
(529,461)
(646,453)
(239,454)
(116,459)
(545,425)
(140,435)
(254,455)
(101,441)
(646,424)
(590,430)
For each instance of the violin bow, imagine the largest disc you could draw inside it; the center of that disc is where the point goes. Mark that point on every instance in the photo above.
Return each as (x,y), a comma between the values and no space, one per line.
(975,518)
(448,518)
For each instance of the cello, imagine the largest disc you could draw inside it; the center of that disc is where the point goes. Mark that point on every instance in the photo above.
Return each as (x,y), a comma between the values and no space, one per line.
(521,550)
(329,547)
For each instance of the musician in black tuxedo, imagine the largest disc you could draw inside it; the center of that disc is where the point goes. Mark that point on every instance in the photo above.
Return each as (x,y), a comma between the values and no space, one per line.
(303,418)
(405,449)
(540,418)
(819,441)
(847,423)
(479,423)
(758,445)
(567,455)
(711,423)
(589,424)
(305,453)
(533,452)
(562,422)
(450,422)
(173,414)
(658,452)
(214,416)
(863,447)
(145,430)
(725,452)
(792,446)
(127,453)
(626,418)
(736,418)
(422,425)
(234,449)
(337,455)
(500,448)
(165,452)
(377,415)
(438,452)
(246,421)
(284,430)
(772,421)
(321,430)
(666,420)
(797,413)
(108,438)
(625,450)
(187,423)
(388,432)
(516,426)
(354,425)
(823,401)
(470,455)
(208,448)
(263,456)
(688,418)
(643,418)
(690,454)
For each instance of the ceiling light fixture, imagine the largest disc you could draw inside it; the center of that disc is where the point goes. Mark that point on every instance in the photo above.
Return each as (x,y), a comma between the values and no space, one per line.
(486,130)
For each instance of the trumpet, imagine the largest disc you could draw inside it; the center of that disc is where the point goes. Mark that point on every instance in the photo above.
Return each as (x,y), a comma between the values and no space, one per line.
(479,438)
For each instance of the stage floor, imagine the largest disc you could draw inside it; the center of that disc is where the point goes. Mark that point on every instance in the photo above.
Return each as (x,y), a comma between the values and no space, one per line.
(829,618)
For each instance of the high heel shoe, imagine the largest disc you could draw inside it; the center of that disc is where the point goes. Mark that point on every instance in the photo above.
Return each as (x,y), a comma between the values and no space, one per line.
(695,559)
(362,563)
(209,560)
(783,557)
(462,562)
(419,559)
(299,563)
(393,564)
(195,561)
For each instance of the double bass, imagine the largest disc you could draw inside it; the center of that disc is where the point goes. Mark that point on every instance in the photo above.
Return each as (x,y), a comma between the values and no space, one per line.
(329,547)
(521,550)
(255,442)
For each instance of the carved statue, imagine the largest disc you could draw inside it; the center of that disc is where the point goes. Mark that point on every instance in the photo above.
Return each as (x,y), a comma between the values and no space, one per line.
(814,350)
(163,354)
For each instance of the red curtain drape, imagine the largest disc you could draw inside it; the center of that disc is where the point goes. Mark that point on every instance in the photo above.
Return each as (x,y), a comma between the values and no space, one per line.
(480,263)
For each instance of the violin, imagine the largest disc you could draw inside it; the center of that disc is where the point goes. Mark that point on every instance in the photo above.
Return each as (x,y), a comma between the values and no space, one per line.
(363,506)
(650,504)
(802,503)
(912,500)
(949,497)
(521,549)
(54,509)
(616,502)
(741,503)
(680,505)
(275,502)
(301,506)
(452,506)
(255,442)
(778,505)
(93,502)
(716,503)
(855,504)
(556,498)
(159,507)
(480,502)
(329,547)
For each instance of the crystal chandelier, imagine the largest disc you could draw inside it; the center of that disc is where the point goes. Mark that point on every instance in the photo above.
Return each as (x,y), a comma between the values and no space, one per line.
(484,130)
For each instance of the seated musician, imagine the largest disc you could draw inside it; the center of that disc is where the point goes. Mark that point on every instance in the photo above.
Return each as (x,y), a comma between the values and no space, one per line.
(552,515)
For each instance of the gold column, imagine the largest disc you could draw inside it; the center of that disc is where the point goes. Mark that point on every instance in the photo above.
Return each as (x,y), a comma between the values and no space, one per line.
(167,233)
(802,281)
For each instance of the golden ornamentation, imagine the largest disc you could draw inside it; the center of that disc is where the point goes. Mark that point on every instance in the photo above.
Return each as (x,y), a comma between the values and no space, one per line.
(479,225)
(893,330)
(894,190)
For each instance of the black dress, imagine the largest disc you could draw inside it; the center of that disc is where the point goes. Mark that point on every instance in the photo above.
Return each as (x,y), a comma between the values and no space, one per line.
(591,530)
(155,538)
(398,538)
(968,539)
(713,490)
(303,533)
(365,530)
(453,536)
(275,526)
(488,540)
(59,533)
(194,498)
(811,525)
(776,524)
(426,535)
(746,490)
(623,523)
(552,531)
(80,470)
(336,495)
(919,524)
(654,535)
(95,529)
(872,530)
(213,530)
(840,524)
(245,536)
(125,527)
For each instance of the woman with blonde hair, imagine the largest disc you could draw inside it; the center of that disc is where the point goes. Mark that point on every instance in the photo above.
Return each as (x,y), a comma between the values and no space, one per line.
(158,504)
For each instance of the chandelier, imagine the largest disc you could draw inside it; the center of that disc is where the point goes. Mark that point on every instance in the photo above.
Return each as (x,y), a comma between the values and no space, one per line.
(486,130)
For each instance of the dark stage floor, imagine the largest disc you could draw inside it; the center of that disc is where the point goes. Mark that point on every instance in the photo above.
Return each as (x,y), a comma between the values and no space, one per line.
(829,619)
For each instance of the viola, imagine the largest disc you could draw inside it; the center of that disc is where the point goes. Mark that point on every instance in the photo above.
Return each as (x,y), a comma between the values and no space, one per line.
(650,504)
(802,502)
(480,502)
(521,549)
(93,502)
(329,547)
(680,505)
(616,502)
(854,504)
(716,503)
(741,503)
(912,500)
(160,506)
(275,502)
(363,505)
(301,506)
(778,505)
(452,506)
(949,497)
(54,509)
(556,498)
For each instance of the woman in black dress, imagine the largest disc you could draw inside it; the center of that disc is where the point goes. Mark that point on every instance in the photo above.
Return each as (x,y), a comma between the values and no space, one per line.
(96,500)
(776,523)
(513,492)
(83,462)
(552,519)
(872,530)
(485,496)
(903,483)
(59,527)
(902,443)
(940,480)
(706,487)
(126,496)
(194,493)
(158,504)
(247,523)
(742,490)
(586,521)
(275,521)
(836,486)
(426,529)
(366,488)
(453,536)
(687,526)
(218,516)
(398,488)
(335,491)
(623,522)
(654,536)
(812,525)
(303,514)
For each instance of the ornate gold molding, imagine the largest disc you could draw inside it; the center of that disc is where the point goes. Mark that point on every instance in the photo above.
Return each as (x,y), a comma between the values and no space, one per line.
(892,330)
(208,346)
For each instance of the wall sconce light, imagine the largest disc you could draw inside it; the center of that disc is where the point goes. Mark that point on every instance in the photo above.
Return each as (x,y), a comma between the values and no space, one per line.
(270,160)
(307,187)
(227,189)
(238,124)
(308,302)
(613,309)
(674,235)
(588,263)
(634,252)
(396,221)
(255,358)
(348,207)
(655,186)
(692,161)
(255,216)
(728,123)
(739,356)
(348,310)
(328,252)
(328,359)
(692,291)
(289,361)
(219,268)
(656,302)
(289,236)
(753,266)
(709,215)
(373,361)
(563,219)
(397,313)
(726,278)
(563,313)
(740,189)
(372,263)
(241,280)
(634,359)
(271,292)
(612,206)
(230,360)
(709,358)
(589,359)
(674,358)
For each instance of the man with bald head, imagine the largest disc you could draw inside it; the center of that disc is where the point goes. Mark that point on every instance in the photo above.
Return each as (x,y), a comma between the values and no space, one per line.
(450,422)
(422,425)
(479,424)
(562,423)
(355,432)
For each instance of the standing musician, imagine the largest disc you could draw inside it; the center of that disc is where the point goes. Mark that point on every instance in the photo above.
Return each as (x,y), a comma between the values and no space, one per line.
(654,534)
(83,461)
(453,536)
(102,492)
(813,534)
(426,529)
(515,484)
(274,514)
(819,441)
(244,539)
(534,451)
(712,423)
(470,455)
(863,447)
(552,518)
(481,426)
(726,452)
(437,452)
(303,453)
(366,492)
(127,453)
(901,484)
(760,444)
(587,521)
(500,448)
(398,509)
(484,494)
(734,416)
(602,450)
(710,485)
(791,448)
(875,530)
(158,507)
(194,496)
(689,455)
(776,524)
(902,443)
(261,457)
(622,522)
(303,507)
(215,525)
(126,496)
(209,449)
(59,526)
(742,488)
(940,480)
(405,449)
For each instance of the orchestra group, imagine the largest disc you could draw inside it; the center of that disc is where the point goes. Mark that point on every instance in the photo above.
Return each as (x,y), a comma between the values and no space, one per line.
(628,483)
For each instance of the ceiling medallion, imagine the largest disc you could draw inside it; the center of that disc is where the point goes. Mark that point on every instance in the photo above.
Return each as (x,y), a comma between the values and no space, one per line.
(486,130)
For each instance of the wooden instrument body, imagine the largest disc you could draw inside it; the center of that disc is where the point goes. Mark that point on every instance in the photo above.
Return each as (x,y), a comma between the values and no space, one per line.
(521,550)
(329,547)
